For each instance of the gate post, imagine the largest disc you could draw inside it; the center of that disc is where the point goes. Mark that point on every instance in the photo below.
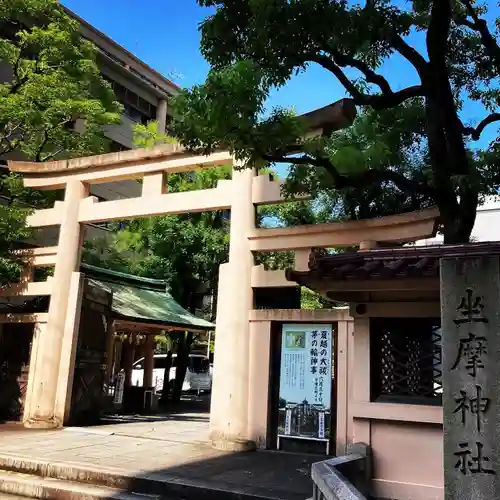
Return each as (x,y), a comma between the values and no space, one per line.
(229,405)
(69,348)
(41,412)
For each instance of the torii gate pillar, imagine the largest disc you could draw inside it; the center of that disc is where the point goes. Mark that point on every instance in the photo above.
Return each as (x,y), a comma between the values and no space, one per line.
(47,391)
(229,405)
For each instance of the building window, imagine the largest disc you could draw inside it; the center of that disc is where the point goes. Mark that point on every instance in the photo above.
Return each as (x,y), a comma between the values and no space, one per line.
(135,107)
(406,360)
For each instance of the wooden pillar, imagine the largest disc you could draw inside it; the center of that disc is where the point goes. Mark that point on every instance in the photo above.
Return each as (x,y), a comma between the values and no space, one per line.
(110,352)
(117,357)
(42,408)
(149,352)
(361,376)
(69,348)
(342,392)
(128,358)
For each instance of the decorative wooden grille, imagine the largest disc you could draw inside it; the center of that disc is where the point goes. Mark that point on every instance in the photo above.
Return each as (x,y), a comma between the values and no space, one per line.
(406,360)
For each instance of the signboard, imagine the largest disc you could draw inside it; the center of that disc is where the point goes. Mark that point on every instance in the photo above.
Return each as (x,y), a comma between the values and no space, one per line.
(470,319)
(305,381)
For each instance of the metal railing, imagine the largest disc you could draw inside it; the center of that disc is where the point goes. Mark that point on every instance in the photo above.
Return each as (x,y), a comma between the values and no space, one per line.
(343,478)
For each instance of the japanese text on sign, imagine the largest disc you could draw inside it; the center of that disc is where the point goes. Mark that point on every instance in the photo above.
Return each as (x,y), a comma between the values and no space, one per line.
(306,380)
(472,351)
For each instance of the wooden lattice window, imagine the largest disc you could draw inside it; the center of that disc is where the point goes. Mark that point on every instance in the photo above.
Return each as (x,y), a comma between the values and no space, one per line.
(406,360)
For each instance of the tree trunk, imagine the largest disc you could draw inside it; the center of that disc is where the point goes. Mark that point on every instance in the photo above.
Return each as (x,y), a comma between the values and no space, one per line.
(457,200)
(166,380)
(182,363)
(454,175)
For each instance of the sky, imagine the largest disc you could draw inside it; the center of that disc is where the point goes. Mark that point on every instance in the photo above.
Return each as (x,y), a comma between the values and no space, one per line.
(164,34)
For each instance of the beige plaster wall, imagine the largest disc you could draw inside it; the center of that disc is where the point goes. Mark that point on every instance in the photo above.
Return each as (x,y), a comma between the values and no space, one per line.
(406,440)
(259,381)
(408,460)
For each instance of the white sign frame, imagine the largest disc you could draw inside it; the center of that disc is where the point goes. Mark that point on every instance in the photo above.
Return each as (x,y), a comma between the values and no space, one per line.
(305,350)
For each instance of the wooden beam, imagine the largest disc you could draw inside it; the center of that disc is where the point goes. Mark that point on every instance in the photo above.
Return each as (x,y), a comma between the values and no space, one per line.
(37,251)
(301,315)
(39,257)
(45,217)
(24,318)
(121,171)
(72,165)
(266,191)
(375,285)
(219,198)
(397,412)
(262,278)
(27,289)
(414,309)
(137,326)
(395,228)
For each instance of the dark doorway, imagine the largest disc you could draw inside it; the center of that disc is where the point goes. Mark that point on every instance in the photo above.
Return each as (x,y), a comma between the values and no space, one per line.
(15,352)
(88,394)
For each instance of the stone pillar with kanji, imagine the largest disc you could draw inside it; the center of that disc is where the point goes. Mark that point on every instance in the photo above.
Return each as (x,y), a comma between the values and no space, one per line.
(470,314)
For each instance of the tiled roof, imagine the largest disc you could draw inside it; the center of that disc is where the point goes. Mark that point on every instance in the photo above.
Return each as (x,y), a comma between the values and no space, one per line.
(143,299)
(394,263)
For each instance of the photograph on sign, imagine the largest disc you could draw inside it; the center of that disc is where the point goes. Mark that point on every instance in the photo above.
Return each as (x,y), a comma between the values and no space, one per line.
(305,381)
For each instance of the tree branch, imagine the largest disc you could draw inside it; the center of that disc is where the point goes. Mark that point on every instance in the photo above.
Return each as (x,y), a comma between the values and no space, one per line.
(46,134)
(370,75)
(365,178)
(481,26)
(409,53)
(475,133)
(462,21)
(306,160)
(52,155)
(387,99)
(42,145)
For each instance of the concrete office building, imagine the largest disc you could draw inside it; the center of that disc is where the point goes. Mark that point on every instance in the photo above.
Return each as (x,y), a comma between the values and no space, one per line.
(143,92)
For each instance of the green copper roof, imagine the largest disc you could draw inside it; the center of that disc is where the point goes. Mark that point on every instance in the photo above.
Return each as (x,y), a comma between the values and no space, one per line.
(143,299)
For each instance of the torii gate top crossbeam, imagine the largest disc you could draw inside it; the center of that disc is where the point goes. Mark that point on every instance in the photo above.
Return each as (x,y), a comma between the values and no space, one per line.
(133,164)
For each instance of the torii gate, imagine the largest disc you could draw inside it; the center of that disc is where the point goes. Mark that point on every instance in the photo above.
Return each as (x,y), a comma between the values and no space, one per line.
(49,389)
(53,351)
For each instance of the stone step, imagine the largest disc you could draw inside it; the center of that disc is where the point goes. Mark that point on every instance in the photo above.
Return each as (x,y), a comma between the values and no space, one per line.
(29,486)
(159,485)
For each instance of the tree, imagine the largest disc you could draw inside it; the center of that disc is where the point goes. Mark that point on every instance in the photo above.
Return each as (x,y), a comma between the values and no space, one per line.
(12,228)
(53,87)
(54,84)
(254,46)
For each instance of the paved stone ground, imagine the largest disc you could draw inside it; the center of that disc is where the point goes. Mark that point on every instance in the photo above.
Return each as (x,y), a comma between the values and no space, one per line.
(168,445)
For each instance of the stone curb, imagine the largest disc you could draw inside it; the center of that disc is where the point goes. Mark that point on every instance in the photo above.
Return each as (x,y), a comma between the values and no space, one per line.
(152,483)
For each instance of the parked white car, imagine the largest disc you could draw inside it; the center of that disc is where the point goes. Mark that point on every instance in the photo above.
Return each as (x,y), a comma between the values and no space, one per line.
(198,374)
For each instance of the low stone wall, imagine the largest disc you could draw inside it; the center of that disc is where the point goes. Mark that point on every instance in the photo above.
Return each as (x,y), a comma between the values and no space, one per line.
(343,478)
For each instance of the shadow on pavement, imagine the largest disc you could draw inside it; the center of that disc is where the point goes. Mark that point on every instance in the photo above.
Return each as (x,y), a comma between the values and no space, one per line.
(231,476)
(190,408)
(249,475)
